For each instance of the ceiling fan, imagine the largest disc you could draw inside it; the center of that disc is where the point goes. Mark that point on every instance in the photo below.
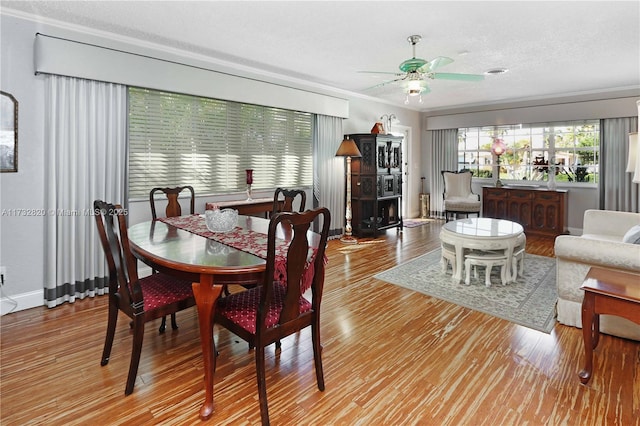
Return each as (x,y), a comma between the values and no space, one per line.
(417,71)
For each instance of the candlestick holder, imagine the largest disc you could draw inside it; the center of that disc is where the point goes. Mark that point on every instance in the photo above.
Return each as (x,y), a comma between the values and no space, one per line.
(249,192)
(249,173)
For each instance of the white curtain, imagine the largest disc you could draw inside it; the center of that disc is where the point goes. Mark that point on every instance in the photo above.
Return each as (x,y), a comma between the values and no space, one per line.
(86,158)
(443,155)
(329,171)
(617,191)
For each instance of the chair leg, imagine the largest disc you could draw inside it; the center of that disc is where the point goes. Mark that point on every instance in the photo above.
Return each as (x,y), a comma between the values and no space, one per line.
(487,274)
(174,324)
(262,385)
(317,353)
(111,331)
(163,325)
(136,350)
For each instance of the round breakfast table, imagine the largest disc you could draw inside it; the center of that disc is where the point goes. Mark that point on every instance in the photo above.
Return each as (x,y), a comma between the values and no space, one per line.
(481,234)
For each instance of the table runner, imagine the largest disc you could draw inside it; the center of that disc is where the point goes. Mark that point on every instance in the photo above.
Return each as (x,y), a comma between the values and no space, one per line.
(248,241)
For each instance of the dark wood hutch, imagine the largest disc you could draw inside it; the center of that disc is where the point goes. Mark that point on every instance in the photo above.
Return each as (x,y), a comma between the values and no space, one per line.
(376,184)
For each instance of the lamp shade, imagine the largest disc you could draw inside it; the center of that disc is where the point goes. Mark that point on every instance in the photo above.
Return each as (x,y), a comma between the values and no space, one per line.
(633,152)
(498,147)
(348,148)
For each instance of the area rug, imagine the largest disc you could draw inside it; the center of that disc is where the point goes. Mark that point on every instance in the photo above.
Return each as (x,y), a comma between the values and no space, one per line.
(412,223)
(529,301)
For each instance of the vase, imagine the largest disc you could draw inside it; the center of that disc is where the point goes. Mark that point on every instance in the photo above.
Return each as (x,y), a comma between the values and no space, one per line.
(551,182)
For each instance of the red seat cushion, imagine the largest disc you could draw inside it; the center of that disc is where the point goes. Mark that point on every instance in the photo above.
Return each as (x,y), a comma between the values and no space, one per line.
(241,308)
(160,290)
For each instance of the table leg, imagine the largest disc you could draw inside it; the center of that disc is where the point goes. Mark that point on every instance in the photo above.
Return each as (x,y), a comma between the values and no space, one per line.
(457,275)
(590,334)
(206,295)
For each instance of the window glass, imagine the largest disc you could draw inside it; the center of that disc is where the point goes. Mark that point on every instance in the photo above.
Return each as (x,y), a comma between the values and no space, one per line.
(207,143)
(572,148)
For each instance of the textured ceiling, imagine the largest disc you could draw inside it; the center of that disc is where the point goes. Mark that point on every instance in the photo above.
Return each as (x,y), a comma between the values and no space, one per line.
(552,49)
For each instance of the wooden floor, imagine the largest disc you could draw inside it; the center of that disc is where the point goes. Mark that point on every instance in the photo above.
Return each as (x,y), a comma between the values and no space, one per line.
(391,356)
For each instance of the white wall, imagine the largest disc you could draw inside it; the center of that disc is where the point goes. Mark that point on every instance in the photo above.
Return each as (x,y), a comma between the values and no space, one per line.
(22,238)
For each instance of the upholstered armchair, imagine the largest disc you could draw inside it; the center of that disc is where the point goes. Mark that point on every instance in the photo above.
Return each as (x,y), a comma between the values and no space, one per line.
(458,196)
(603,244)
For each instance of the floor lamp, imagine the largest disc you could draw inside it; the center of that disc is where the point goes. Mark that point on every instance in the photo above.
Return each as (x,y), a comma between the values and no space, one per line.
(348,148)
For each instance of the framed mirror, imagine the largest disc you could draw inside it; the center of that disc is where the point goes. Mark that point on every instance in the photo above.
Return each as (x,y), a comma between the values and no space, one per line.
(8,133)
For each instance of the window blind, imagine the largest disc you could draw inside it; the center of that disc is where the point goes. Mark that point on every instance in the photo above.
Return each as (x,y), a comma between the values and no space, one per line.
(177,139)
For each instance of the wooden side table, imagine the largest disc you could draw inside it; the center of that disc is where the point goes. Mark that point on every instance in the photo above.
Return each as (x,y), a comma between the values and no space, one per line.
(610,293)
(257,206)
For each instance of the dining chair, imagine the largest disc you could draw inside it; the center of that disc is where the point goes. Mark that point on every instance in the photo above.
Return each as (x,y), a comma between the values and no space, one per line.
(458,196)
(173,205)
(283,200)
(141,299)
(265,314)
(173,209)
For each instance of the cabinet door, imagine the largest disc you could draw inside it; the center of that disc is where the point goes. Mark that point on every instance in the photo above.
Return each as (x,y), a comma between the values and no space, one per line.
(364,187)
(382,157)
(519,207)
(368,162)
(395,157)
(494,203)
(548,212)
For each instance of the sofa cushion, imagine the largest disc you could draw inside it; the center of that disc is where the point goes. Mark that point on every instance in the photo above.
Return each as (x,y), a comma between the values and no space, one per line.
(632,236)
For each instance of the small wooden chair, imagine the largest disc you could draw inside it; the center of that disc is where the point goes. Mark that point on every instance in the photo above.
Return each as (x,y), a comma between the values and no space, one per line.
(265,314)
(286,204)
(142,300)
(173,209)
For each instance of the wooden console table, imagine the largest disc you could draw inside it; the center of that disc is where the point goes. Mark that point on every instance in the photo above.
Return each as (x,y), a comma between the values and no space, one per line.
(258,206)
(606,292)
(538,210)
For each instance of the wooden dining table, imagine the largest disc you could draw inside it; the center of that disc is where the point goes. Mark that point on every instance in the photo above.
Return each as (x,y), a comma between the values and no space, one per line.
(210,265)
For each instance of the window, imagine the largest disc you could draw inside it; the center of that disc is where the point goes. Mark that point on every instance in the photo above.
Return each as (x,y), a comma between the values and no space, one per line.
(179,139)
(572,147)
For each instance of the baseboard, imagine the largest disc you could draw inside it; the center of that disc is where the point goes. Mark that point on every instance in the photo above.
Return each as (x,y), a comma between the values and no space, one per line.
(20,302)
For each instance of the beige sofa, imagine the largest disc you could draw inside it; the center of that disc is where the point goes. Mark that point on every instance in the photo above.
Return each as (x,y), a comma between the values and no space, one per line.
(600,245)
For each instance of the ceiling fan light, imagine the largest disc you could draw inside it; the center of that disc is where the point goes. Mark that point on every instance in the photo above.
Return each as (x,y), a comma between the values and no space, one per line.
(414,88)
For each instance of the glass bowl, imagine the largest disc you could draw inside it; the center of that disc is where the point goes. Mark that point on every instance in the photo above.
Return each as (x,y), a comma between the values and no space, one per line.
(223,220)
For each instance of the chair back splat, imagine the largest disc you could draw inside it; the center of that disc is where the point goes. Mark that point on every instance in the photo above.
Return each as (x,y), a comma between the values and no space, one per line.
(278,308)
(283,200)
(142,300)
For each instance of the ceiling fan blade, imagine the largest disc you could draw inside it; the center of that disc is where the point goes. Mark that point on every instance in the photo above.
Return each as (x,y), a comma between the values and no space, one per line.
(454,76)
(384,83)
(398,74)
(438,62)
